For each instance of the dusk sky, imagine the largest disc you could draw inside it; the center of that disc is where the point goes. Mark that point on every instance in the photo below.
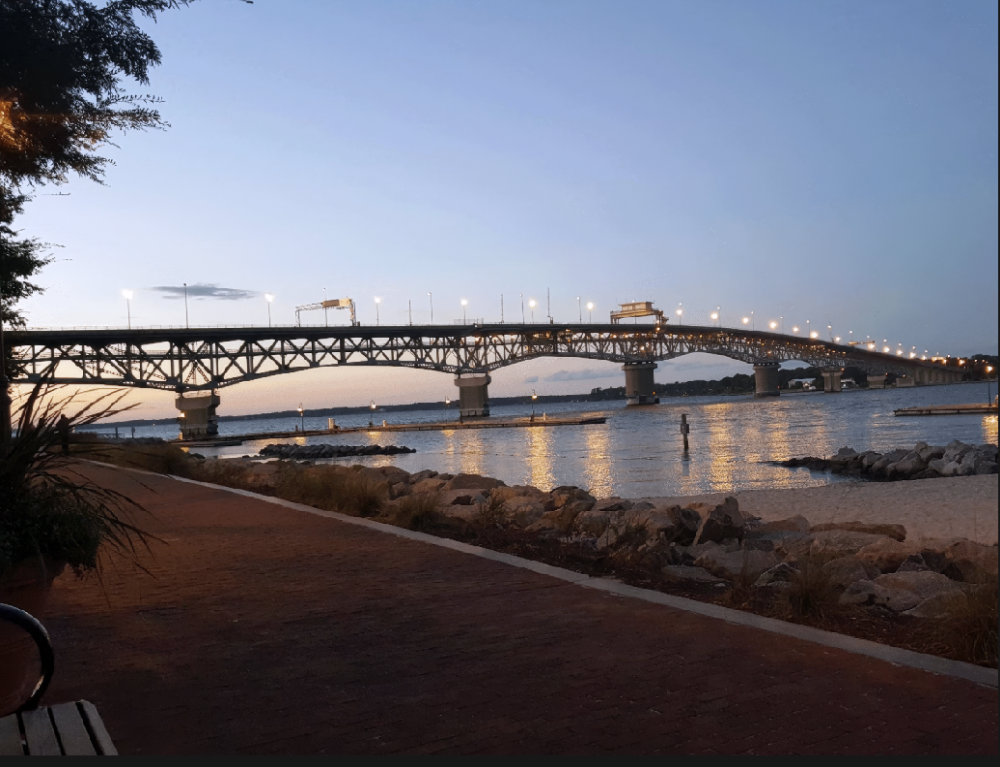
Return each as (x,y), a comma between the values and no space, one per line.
(826,161)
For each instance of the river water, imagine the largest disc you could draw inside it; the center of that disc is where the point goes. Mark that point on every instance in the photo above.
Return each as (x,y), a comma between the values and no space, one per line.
(639,451)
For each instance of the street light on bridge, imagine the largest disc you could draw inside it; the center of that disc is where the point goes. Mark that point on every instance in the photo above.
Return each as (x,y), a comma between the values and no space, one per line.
(431,297)
(590,308)
(269,298)
(464,304)
(128,306)
(532,303)
(772,324)
(680,313)
(579,308)
(377,302)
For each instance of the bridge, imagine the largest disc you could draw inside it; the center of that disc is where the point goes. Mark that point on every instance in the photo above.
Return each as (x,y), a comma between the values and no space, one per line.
(208,359)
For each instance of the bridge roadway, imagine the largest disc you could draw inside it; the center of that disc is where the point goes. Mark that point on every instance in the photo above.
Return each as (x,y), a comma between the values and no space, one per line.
(208,359)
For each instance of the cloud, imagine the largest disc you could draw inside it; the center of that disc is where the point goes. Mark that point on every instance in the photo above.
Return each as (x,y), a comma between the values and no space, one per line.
(531,379)
(205,291)
(587,374)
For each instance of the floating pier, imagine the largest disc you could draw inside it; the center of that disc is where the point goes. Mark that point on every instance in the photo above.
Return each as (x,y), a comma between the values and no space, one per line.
(505,423)
(970,409)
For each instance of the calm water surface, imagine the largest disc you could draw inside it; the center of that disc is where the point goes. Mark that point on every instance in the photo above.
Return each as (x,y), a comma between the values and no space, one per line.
(639,451)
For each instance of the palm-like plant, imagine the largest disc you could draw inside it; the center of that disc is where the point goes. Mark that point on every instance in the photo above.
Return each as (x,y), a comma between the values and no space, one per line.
(48,509)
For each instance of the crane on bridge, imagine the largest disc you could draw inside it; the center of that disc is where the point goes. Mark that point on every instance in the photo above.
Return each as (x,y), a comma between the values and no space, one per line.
(333,303)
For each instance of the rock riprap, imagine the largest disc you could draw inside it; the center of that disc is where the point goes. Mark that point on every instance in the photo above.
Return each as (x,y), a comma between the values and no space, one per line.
(923,461)
(311,452)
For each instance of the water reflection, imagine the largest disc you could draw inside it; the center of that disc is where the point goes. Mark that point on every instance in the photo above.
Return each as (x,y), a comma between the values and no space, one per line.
(639,452)
(597,461)
(990,429)
(539,452)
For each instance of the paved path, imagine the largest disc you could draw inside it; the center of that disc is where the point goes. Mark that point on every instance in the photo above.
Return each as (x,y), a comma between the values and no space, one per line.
(268,630)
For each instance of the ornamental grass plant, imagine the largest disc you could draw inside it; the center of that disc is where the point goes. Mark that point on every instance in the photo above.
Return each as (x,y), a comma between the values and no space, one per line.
(48,509)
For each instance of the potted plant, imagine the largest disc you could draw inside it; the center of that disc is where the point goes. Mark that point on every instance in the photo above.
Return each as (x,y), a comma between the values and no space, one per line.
(51,517)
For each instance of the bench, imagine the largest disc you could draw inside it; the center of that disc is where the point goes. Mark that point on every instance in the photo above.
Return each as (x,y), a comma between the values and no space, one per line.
(66,729)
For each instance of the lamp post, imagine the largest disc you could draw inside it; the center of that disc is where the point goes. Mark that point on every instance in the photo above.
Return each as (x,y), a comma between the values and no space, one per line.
(533,398)
(531,303)
(302,418)
(186,324)
(590,309)
(431,297)
(715,317)
(501,308)
(128,306)
(371,414)
(521,296)
(377,302)
(579,308)
(782,318)
(447,405)
(270,299)
(326,316)
(680,314)
(989,369)
(464,304)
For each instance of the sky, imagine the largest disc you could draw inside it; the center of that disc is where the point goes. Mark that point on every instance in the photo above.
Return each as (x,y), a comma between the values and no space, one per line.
(828,161)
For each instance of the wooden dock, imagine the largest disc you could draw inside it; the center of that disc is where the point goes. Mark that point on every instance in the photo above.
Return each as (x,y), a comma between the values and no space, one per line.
(456,425)
(970,409)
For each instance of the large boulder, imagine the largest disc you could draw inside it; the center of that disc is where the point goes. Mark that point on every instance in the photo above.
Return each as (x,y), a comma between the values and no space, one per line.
(906,467)
(670,525)
(956,450)
(869,458)
(840,543)
(844,571)
(591,523)
(864,593)
(429,485)
(882,464)
(472,482)
(897,532)
(796,524)
(569,494)
(906,590)
(938,605)
(720,521)
(971,561)
(420,476)
(783,572)
(729,564)
(888,554)
(929,453)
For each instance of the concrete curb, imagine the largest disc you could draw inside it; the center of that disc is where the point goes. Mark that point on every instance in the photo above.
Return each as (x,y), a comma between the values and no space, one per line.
(895,655)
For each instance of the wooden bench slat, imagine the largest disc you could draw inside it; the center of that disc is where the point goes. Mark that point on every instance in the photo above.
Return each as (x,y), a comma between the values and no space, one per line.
(10,737)
(100,735)
(38,733)
(72,731)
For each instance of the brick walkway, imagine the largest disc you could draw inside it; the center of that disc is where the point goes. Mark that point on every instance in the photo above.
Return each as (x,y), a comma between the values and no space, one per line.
(267,630)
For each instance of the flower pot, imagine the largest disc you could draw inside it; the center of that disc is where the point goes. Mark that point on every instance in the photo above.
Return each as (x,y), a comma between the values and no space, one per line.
(26,586)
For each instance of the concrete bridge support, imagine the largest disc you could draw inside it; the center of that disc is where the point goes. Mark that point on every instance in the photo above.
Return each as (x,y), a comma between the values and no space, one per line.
(876,380)
(639,383)
(197,418)
(766,379)
(473,395)
(831,380)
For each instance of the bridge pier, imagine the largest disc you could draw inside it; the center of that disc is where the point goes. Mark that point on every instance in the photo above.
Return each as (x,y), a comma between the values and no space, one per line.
(765,376)
(197,418)
(876,380)
(639,383)
(473,395)
(831,380)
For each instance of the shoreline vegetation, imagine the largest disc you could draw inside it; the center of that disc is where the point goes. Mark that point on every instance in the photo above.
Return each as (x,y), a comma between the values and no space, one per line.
(857,576)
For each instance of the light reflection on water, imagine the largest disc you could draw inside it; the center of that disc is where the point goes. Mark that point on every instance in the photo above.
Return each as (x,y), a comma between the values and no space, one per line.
(639,451)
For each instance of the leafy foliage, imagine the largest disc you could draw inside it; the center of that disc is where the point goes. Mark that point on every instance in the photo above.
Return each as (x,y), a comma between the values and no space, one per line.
(49,508)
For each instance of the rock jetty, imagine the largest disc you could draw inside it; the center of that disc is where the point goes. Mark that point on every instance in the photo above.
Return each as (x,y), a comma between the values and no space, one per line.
(312,452)
(922,461)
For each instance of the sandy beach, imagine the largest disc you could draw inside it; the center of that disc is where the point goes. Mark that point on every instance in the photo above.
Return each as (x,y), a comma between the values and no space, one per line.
(949,507)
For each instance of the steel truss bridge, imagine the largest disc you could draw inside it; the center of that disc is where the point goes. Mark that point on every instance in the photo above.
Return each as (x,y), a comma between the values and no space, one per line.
(199,359)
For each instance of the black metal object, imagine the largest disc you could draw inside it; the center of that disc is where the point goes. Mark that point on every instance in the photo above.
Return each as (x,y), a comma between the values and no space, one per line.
(212,358)
(37,632)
